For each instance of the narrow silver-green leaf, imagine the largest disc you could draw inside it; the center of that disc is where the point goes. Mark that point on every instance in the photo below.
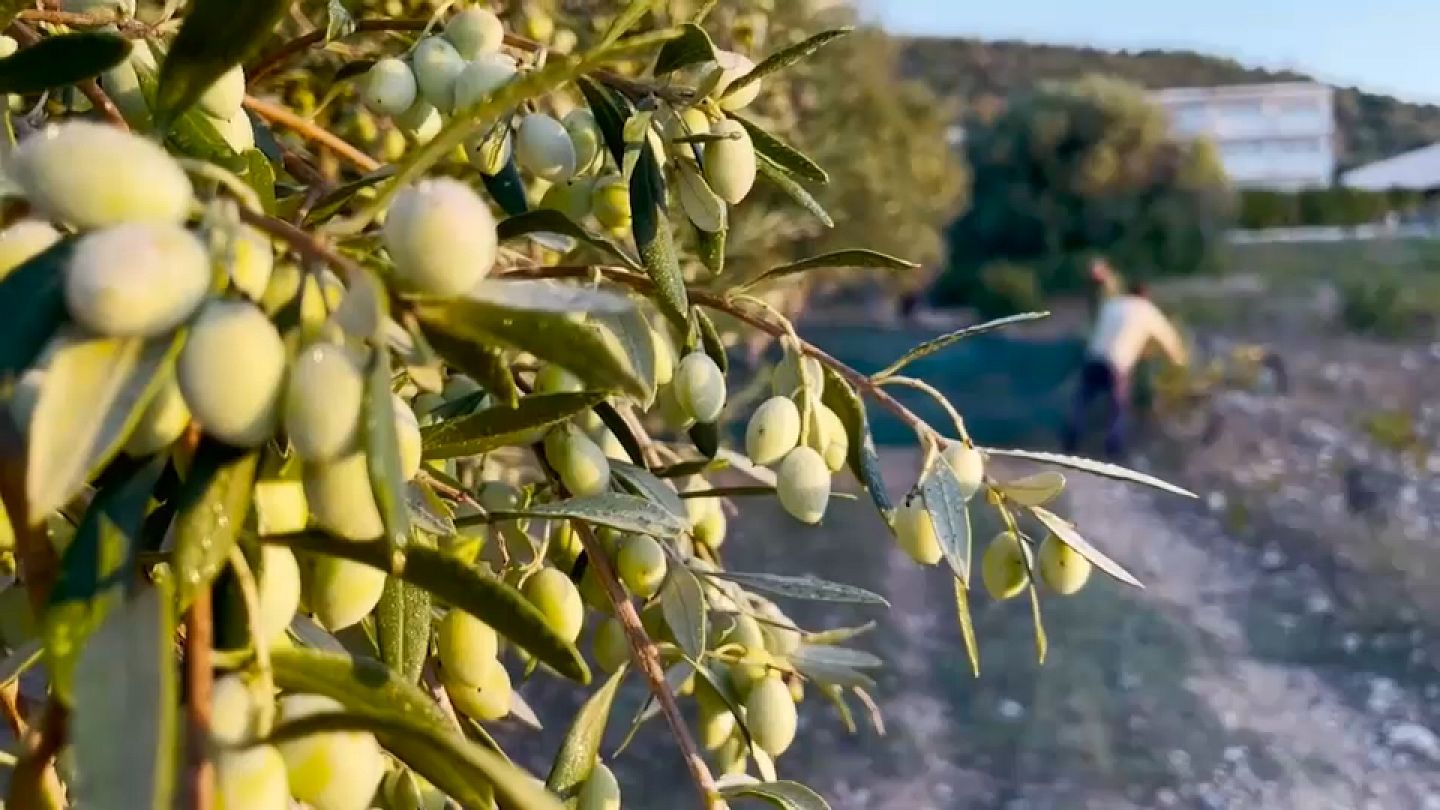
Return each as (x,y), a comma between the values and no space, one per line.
(950,514)
(409,725)
(784,181)
(610,111)
(856,257)
(1067,534)
(828,672)
(338,21)
(786,57)
(692,47)
(842,398)
(632,332)
(784,795)
(32,306)
(702,206)
(382,452)
(967,625)
(625,20)
(626,513)
(57,61)
(783,154)
(827,655)
(933,345)
(651,229)
(578,753)
(548,220)
(806,587)
(500,426)
(125,683)
(682,602)
(711,247)
(1099,468)
(214,502)
(427,512)
(647,485)
(215,36)
(93,392)
(710,340)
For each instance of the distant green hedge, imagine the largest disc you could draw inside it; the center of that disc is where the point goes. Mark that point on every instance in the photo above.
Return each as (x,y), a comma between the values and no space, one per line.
(1330,207)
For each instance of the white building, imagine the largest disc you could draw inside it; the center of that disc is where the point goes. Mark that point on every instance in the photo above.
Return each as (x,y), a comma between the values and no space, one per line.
(1417,170)
(1279,136)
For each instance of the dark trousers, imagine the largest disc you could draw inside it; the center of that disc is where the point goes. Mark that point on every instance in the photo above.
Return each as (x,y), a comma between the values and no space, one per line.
(1099,379)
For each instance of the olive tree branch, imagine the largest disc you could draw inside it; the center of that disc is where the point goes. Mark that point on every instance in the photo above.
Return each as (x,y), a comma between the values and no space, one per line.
(311,131)
(199,636)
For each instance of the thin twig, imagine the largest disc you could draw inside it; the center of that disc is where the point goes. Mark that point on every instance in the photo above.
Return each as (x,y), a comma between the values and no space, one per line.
(199,638)
(310,131)
(129,27)
(301,242)
(272,61)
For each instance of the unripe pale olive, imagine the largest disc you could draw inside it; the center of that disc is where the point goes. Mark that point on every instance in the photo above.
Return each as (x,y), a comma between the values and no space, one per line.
(804,485)
(237,131)
(585,137)
(592,592)
(553,379)
(641,565)
(337,770)
(122,84)
(828,436)
(489,155)
(717,722)
(771,716)
(730,162)
(915,532)
(710,531)
(610,201)
(441,236)
(499,496)
(232,710)
(279,588)
(407,431)
(969,467)
(538,25)
(475,31)
(136,280)
(8,46)
(223,98)
(685,123)
(1002,568)
(251,261)
(600,791)
(732,66)
(700,387)
(341,592)
(543,148)
(581,463)
(280,507)
(437,65)
(571,198)
(697,509)
(664,354)
(612,648)
(482,77)
(422,121)
(467,647)
(774,430)
(1062,568)
(231,372)
(24,240)
(94,175)
(285,282)
(556,597)
(484,703)
(389,87)
(165,417)
(322,402)
(251,779)
(670,408)
(796,371)
(341,498)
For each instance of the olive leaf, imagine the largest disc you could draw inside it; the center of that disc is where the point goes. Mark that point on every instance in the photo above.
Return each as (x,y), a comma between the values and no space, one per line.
(651,229)
(213,503)
(626,513)
(805,587)
(382,452)
(710,340)
(548,220)
(215,36)
(842,398)
(647,485)
(950,515)
(783,154)
(1099,468)
(967,625)
(507,188)
(259,175)
(711,247)
(60,60)
(1065,531)
(825,655)
(702,206)
(784,795)
(682,602)
(625,20)
(632,332)
(839,258)
(786,57)
(331,202)
(338,21)
(944,341)
(485,364)
(1033,490)
(610,111)
(620,429)
(784,181)
(577,755)
(692,47)
(502,426)
(32,306)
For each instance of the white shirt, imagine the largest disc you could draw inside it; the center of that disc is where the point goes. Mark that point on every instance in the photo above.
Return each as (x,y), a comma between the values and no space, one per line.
(1126,325)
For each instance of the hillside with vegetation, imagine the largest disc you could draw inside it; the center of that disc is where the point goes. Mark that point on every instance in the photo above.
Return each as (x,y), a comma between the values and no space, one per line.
(980,74)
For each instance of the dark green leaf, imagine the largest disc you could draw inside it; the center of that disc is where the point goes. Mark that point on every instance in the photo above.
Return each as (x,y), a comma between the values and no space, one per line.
(651,229)
(550,336)
(260,176)
(338,22)
(216,36)
(627,513)
(617,426)
(700,204)
(1099,468)
(332,201)
(933,345)
(554,297)
(786,57)
(32,307)
(967,625)
(682,601)
(806,587)
(485,364)
(582,742)
(60,60)
(692,47)
(1063,529)
(402,628)
(611,112)
(706,436)
(785,182)
(501,426)
(711,247)
(382,452)
(507,189)
(710,340)
(841,397)
(784,795)
(191,133)
(95,570)
(783,154)
(635,336)
(409,725)
(548,220)
(945,502)
(90,399)
(839,258)
(427,512)
(645,484)
(452,581)
(125,683)
(213,504)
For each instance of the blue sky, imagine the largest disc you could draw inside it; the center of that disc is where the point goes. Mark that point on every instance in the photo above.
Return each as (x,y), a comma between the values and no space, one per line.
(1388,46)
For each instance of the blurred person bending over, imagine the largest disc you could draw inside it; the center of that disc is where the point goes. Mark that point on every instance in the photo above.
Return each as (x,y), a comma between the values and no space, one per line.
(1126,325)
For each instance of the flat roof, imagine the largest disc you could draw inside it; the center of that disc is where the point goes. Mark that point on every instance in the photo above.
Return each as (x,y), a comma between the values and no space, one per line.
(1418,169)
